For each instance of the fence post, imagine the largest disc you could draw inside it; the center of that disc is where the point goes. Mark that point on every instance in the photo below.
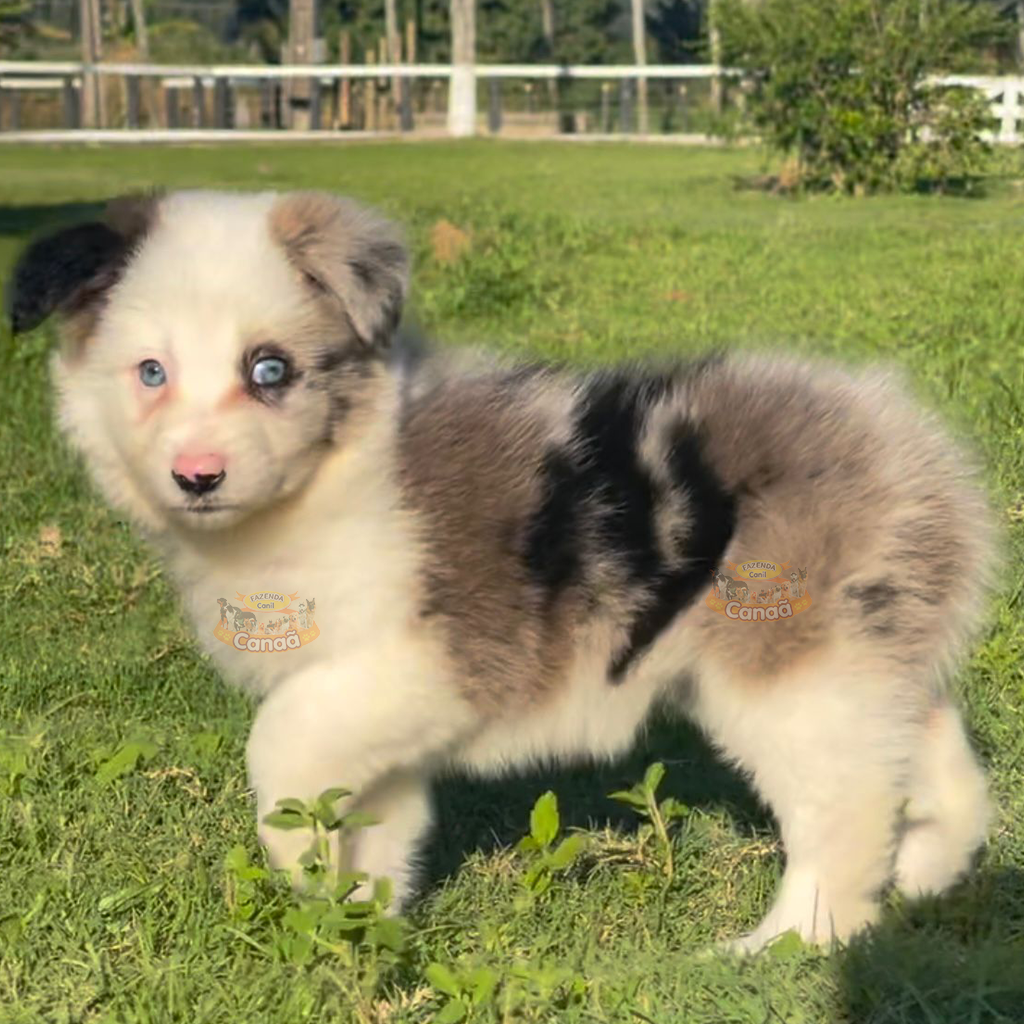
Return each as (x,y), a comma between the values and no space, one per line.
(405,103)
(345,90)
(462,83)
(222,102)
(71,113)
(198,103)
(494,105)
(268,107)
(715,43)
(134,99)
(171,102)
(370,97)
(625,105)
(1011,111)
(314,104)
(606,107)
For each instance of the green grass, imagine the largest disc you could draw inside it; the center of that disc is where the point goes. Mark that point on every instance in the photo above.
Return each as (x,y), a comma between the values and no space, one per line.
(122,787)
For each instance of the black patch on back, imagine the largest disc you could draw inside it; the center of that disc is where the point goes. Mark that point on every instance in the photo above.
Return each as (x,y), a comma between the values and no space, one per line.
(609,433)
(552,550)
(714,521)
(597,492)
(596,484)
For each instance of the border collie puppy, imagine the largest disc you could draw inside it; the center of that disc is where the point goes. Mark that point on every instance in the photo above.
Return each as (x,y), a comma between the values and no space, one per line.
(515,563)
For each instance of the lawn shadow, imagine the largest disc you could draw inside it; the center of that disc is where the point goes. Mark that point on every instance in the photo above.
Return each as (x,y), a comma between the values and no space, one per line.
(475,814)
(29,221)
(789,187)
(951,960)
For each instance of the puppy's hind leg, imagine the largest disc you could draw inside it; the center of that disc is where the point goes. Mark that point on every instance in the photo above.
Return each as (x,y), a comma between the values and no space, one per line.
(948,812)
(827,748)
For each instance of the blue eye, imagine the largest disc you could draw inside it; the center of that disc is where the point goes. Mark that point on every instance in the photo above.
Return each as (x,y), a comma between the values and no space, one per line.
(269,372)
(152,374)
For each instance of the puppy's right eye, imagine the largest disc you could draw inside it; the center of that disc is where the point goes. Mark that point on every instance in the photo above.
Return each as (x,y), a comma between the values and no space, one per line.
(152,374)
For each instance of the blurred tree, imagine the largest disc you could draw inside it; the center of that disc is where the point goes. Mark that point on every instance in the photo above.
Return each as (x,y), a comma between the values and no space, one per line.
(1020,32)
(842,87)
(16,25)
(677,29)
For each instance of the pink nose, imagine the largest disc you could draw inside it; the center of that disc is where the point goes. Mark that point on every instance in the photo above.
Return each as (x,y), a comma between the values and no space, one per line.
(194,466)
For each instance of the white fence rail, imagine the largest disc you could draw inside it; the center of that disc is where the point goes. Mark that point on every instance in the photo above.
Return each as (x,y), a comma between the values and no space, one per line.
(301,86)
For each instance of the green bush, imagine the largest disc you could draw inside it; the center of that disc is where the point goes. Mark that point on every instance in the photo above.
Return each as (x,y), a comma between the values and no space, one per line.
(842,88)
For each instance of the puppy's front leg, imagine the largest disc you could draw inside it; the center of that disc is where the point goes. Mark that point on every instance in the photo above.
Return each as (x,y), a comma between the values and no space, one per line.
(355,723)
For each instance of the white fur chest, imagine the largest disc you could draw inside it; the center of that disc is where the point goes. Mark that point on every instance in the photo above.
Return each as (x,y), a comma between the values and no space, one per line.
(360,569)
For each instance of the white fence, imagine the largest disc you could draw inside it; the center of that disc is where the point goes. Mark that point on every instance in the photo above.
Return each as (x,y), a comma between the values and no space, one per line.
(1005,95)
(301,87)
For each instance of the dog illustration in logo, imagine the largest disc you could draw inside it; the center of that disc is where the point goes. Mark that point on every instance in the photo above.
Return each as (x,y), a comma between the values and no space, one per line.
(794,585)
(244,619)
(719,582)
(303,618)
(223,602)
(310,606)
(737,590)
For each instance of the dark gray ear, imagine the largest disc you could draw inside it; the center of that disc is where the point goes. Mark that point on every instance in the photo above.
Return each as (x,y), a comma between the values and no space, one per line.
(349,253)
(73,268)
(63,271)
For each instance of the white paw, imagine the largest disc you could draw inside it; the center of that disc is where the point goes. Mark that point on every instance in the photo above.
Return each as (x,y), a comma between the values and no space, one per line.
(754,942)
(925,864)
(803,909)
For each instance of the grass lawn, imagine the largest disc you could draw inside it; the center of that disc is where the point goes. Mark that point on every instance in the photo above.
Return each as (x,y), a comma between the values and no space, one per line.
(123,802)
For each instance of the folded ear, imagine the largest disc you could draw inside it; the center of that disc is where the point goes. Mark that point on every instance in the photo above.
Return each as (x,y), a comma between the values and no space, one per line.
(349,253)
(71,270)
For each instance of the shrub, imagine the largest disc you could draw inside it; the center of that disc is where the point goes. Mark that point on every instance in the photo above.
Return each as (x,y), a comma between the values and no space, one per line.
(842,87)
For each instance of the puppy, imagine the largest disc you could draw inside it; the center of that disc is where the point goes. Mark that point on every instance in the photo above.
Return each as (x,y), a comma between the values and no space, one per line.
(515,558)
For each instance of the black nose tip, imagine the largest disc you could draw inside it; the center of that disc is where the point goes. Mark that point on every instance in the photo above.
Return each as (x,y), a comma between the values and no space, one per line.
(199,484)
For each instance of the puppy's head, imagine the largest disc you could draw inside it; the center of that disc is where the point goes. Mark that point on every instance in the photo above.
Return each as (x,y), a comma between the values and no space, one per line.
(215,346)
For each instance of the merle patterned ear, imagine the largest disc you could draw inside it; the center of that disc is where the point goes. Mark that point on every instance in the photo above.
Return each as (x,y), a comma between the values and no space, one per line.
(350,253)
(73,268)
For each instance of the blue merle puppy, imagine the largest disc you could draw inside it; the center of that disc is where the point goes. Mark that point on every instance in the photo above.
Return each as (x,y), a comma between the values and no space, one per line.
(516,562)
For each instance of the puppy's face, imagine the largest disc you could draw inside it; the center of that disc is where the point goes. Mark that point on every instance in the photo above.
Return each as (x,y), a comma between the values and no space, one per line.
(216,346)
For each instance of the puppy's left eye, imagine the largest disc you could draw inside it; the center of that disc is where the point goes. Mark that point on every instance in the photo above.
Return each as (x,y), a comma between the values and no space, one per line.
(270,371)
